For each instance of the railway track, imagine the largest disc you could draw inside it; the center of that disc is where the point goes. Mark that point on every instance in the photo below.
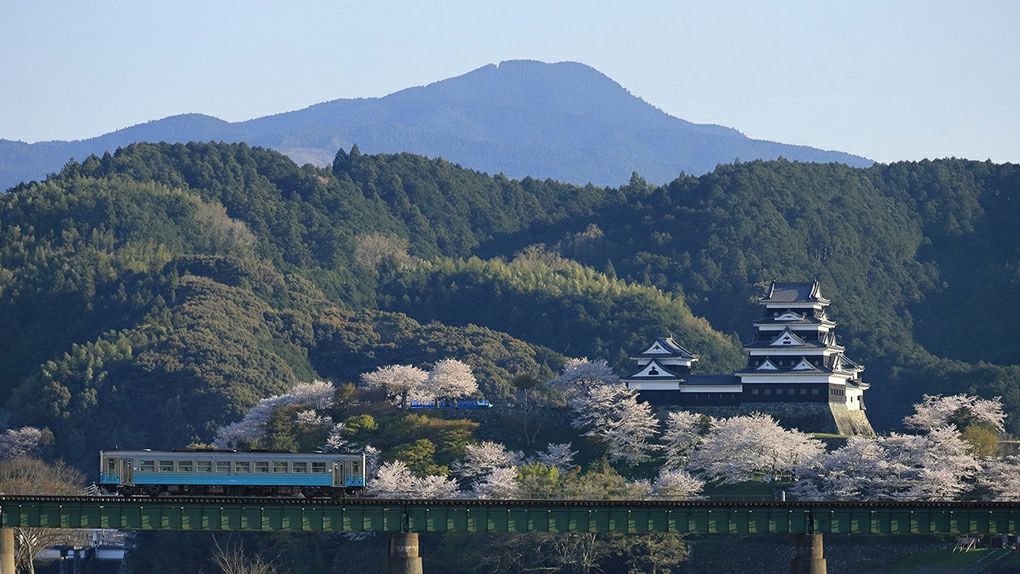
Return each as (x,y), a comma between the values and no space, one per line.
(530,502)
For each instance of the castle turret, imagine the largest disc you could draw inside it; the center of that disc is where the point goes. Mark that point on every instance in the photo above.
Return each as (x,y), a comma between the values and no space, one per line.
(664,365)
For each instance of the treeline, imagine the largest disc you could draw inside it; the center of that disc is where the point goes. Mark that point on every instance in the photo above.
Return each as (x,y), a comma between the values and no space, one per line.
(308,220)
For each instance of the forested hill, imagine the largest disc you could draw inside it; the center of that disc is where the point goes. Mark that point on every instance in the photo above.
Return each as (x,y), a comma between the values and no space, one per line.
(565,121)
(200,277)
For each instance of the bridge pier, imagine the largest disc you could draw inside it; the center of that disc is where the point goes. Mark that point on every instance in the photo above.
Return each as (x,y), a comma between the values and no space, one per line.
(808,554)
(403,556)
(7,551)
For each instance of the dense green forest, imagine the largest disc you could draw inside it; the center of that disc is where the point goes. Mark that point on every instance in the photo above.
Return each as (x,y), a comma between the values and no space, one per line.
(197,278)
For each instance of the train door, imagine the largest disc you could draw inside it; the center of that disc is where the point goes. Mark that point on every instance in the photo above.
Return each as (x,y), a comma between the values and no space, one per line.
(356,474)
(127,473)
(338,478)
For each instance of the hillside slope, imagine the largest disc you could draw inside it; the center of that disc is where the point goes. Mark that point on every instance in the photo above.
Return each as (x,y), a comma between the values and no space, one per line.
(197,279)
(200,277)
(564,121)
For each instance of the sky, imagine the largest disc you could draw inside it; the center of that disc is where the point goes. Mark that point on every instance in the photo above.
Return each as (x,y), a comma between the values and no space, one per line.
(886,79)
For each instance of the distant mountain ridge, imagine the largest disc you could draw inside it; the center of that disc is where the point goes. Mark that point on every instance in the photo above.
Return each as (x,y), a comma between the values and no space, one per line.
(565,121)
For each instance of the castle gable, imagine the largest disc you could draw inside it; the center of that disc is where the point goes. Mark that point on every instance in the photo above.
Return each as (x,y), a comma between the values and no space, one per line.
(654,370)
(787,338)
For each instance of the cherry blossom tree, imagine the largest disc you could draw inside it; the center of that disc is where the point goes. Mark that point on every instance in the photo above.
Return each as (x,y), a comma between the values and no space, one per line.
(435,487)
(252,428)
(596,404)
(499,483)
(373,460)
(682,434)
(310,418)
(482,458)
(744,448)
(960,410)
(21,442)
(392,480)
(401,383)
(450,379)
(611,414)
(581,372)
(335,440)
(628,435)
(557,455)
(395,480)
(676,484)
(1000,478)
(938,464)
(860,470)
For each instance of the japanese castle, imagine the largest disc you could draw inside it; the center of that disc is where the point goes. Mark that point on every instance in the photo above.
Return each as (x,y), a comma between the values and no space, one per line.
(793,358)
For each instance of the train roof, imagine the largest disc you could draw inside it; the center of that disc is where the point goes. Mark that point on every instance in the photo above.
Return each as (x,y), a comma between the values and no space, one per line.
(221,454)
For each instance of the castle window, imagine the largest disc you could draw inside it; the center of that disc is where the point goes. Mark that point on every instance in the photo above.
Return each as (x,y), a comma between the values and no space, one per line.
(768,391)
(754,391)
(803,391)
(814,391)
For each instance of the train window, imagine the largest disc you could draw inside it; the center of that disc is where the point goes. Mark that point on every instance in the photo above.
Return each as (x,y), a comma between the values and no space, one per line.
(166,466)
(261,466)
(223,466)
(146,466)
(299,466)
(185,466)
(318,467)
(203,466)
(111,465)
(279,467)
(242,466)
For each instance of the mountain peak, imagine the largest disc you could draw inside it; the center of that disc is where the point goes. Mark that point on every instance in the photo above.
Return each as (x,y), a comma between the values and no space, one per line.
(568,87)
(563,120)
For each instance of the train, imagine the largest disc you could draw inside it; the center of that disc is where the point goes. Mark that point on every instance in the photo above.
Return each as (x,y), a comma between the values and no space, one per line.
(230,473)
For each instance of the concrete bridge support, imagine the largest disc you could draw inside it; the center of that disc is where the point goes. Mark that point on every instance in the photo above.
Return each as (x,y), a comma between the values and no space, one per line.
(808,554)
(403,558)
(7,551)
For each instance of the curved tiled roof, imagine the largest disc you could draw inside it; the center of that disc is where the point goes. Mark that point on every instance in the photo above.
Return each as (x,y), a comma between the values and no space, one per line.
(801,292)
(672,348)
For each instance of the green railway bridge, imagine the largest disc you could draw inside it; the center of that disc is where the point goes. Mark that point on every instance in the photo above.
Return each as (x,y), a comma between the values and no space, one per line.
(404,519)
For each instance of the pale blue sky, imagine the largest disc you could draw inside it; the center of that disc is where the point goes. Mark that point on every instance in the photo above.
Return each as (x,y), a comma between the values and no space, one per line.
(885,79)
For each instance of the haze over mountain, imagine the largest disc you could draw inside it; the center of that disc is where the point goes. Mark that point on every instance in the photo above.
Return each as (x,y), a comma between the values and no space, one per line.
(565,121)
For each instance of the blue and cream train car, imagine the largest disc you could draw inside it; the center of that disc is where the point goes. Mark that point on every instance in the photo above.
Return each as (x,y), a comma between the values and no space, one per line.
(202,472)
